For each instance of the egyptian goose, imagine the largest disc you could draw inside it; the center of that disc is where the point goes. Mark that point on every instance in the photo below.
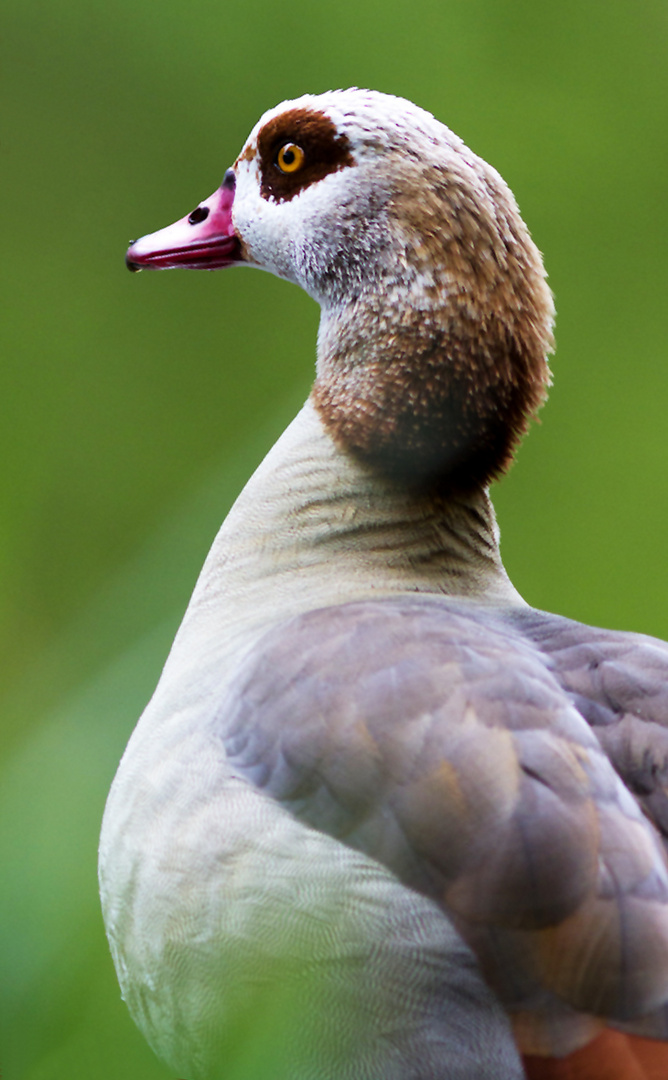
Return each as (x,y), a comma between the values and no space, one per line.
(380,811)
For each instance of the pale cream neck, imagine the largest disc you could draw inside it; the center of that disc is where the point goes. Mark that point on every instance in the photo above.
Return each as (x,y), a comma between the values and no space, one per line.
(313,528)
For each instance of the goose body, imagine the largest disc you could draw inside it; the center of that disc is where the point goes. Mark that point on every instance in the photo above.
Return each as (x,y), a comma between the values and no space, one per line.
(378,807)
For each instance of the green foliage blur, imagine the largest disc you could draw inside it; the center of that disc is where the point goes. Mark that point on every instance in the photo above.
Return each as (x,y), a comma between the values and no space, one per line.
(133,407)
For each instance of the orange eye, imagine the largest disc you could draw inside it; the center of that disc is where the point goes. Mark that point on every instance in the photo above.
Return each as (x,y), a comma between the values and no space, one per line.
(290,158)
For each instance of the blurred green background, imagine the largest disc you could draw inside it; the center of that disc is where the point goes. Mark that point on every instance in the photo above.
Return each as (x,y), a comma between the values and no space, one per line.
(133,408)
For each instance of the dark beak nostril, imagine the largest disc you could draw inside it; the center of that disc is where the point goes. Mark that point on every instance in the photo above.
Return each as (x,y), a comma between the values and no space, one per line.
(200,213)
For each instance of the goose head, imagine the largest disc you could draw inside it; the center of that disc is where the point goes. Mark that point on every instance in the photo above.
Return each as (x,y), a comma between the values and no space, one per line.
(436,319)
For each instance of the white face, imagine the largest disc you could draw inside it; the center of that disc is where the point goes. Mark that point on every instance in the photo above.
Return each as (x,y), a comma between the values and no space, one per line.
(334,234)
(320,227)
(300,239)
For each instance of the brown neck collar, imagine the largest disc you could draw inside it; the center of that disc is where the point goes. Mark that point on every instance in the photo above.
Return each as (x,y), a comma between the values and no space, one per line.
(433,374)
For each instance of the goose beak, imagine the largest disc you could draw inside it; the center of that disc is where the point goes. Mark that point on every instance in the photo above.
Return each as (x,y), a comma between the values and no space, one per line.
(204,240)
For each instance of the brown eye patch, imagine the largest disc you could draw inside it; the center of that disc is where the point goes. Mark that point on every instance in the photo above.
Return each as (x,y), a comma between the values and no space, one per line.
(324,152)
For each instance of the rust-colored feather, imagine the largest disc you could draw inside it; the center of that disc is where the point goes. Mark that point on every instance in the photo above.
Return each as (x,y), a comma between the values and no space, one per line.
(610,1056)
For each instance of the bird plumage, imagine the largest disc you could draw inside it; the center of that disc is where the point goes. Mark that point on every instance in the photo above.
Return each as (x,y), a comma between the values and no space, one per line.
(377,801)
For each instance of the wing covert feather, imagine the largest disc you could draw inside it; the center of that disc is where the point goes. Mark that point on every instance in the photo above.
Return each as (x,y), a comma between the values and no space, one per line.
(449,748)
(619,682)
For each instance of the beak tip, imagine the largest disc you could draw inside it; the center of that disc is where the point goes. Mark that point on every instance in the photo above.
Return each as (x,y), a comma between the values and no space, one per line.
(132,266)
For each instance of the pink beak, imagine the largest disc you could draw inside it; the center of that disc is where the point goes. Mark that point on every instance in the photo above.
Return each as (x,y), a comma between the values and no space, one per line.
(204,240)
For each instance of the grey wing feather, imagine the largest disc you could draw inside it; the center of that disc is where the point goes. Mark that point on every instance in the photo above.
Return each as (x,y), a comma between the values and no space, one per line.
(446,743)
(619,682)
